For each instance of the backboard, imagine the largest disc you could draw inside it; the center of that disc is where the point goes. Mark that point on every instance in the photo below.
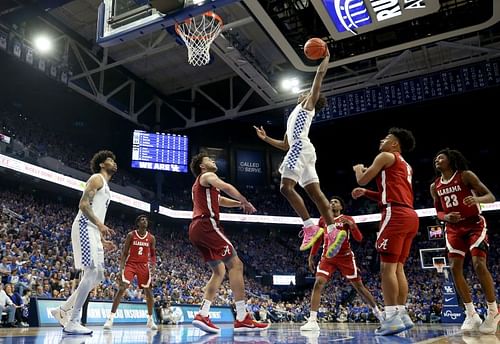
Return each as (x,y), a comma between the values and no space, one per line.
(428,256)
(122,20)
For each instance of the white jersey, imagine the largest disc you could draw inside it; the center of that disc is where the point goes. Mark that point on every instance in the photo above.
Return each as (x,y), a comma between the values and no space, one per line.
(298,124)
(85,237)
(99,203)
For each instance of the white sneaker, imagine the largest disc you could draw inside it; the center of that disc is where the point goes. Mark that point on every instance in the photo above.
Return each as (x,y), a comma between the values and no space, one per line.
(471,323)
(407,320)
(490,324)
(76,328)
(151,324)
(108,324)
(311,325)
(61,315)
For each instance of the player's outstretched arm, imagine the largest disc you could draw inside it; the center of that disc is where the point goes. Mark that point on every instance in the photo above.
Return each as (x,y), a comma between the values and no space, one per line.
(211,178)
(318,81)
(261,133)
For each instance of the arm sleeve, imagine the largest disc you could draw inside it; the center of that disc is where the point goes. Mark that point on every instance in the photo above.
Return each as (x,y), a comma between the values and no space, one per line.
(316,246)
(373,195)
(356,233)
(439,209)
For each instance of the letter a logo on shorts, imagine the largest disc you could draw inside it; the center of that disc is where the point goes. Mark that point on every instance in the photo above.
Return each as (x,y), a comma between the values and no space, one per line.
(226,251)
(383,244)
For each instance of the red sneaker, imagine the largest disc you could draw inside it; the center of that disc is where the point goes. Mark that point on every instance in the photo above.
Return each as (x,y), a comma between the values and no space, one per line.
(248,324)
(205,324)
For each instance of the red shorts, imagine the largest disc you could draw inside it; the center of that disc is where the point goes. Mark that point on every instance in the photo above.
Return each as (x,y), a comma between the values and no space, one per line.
(141,270)
(470,235)
(345,264)
(398,227)
(207,235)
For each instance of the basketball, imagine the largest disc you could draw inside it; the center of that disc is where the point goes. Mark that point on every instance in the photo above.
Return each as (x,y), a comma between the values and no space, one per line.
(315,48)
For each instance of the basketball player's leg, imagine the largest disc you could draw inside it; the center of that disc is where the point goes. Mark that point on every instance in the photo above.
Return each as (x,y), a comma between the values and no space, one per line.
(150,302)
(457,247)
(127,276)
(287,189)
(319,286)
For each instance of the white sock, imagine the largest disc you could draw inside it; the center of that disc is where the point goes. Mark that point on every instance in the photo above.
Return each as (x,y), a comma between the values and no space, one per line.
(330,228)
(240,310)
(308,223)
(112,315)
(492,307)
(313,316)
(402,309)
(469,309)
(376,312)
(205,308)
(390,311)
(150,316)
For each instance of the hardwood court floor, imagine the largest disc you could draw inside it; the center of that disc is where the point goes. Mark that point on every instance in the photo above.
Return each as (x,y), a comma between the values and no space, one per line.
(277,333)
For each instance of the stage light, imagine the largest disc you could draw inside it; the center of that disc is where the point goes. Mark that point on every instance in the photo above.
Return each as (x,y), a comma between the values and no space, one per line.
(43,44)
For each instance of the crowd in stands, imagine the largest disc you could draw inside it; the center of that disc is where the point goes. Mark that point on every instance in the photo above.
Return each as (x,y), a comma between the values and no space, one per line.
(31,265)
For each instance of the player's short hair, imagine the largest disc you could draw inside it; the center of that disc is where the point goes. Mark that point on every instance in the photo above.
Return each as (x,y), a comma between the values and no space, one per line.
(196,162)
(320,104)
(405,138)
(341,201)
(138,218)
(457,160)
(99,158)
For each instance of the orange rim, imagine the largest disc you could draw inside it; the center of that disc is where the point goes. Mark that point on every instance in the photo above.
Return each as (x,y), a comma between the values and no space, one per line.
(206,37)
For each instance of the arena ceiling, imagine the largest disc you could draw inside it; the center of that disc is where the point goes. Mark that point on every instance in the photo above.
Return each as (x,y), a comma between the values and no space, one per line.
(148,81)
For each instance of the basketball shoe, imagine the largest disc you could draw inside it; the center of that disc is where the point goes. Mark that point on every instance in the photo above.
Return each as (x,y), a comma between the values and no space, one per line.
(205,324)
(248,324)
(392,325)
(335,240)
(490,324)
(471,323)
(311,234)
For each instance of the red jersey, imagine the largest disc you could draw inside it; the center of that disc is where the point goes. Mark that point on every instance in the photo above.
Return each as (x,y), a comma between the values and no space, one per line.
(346,246)
(205,201)
(451,195)
(394,183)
(140,248)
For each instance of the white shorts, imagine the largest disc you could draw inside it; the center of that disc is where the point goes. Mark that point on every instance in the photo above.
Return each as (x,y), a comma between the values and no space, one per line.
(87,246)
(299,163)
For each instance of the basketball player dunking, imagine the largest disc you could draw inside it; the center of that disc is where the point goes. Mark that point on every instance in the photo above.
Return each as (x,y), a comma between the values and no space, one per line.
(299,165)
(398,226)
(138,256)
(457,193)
(88,238)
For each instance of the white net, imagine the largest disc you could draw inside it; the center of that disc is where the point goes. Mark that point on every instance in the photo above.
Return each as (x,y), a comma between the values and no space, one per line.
(198,33)
(439,267)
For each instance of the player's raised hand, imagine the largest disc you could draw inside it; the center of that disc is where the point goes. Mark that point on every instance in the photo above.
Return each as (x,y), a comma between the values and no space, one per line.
(248,208)
(453,217)
(261,133)
(359,167)
(358,192)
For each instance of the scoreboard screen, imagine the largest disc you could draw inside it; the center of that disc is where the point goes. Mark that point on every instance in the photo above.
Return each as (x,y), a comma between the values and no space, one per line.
(160,151)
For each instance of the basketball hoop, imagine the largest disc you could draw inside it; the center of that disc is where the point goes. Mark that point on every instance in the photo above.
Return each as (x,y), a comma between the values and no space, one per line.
(198,33)
(439,266)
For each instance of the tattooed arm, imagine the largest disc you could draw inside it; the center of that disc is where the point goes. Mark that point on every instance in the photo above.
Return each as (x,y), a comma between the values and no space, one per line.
(93,185)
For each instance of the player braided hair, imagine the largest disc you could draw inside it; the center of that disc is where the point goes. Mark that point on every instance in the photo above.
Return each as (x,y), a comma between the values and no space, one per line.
(196,162)
(457,160)
(99,158)
(405,138)
(341,201)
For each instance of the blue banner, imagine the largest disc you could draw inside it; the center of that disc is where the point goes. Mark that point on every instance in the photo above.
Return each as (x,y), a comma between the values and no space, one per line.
(250,167)
(451,313)
(186,314)
(97,312)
